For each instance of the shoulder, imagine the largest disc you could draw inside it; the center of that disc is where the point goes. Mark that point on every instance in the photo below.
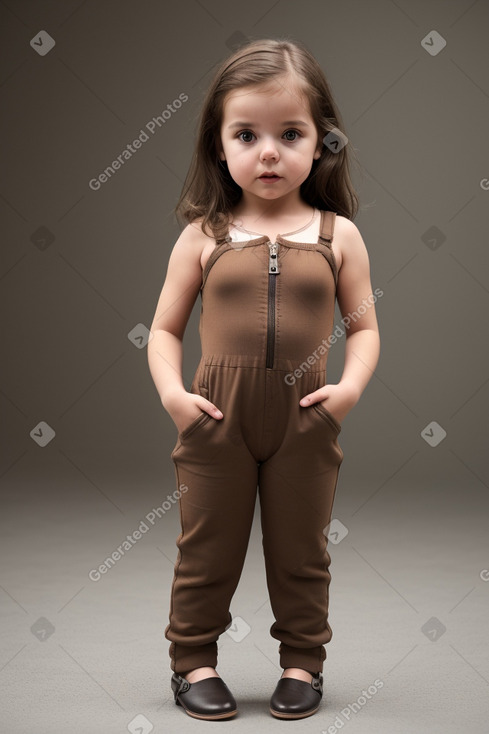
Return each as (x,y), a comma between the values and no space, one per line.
(197,227)
(193,247)
(349,248)
(347,239)
(345,228)
(192,237)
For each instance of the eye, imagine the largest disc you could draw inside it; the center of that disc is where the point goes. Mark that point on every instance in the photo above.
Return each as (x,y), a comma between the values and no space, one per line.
(244,132)
(294,132)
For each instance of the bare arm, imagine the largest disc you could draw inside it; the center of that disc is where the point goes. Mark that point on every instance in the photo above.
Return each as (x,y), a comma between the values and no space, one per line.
(356,302)
(165,352)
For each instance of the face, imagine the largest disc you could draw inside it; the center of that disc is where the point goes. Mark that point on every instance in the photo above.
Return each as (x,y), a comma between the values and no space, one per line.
(264,130)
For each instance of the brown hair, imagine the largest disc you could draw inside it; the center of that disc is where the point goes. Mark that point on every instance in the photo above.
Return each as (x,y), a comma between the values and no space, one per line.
(209,190)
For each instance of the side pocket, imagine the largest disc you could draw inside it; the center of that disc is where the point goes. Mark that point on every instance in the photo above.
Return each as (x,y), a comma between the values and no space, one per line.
(188,430)
(199,386)
(327,417)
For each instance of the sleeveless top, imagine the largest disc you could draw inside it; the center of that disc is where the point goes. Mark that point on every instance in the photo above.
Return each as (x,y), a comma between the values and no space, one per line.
(270,304)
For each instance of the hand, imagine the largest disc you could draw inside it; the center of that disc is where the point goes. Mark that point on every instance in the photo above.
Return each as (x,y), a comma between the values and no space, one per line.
(184,407)
(337,399)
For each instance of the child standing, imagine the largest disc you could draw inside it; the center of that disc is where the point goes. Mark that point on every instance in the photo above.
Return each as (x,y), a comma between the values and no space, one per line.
(264,199)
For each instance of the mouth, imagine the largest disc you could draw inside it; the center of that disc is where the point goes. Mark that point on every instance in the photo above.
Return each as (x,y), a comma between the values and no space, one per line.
(269,177)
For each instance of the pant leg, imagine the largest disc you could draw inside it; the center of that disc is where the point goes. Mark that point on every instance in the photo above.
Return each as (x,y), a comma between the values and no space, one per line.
(217,478)
(297,485)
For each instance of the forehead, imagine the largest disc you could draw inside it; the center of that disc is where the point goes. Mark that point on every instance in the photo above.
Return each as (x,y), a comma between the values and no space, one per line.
(275,100)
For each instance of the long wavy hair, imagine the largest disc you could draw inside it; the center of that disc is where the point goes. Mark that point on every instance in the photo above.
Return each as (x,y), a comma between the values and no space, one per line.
(209,192)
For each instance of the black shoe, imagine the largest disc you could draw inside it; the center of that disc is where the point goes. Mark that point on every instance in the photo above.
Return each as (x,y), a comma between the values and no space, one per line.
(206,699)
(295,699)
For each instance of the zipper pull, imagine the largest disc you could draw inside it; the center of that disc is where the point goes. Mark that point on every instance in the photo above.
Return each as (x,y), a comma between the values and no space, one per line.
(273,258)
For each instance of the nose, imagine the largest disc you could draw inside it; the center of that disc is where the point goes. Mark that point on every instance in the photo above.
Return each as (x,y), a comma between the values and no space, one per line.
(269,150)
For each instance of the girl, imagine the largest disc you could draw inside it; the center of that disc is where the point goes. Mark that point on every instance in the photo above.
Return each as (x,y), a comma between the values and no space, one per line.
(263,200)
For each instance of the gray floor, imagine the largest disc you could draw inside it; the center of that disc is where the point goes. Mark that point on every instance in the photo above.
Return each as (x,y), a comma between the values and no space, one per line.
(89,656)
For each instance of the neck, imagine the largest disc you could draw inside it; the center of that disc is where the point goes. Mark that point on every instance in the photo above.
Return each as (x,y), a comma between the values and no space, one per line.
(287,207)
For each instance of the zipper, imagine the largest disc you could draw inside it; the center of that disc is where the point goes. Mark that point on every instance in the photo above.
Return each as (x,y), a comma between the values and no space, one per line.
(273,270)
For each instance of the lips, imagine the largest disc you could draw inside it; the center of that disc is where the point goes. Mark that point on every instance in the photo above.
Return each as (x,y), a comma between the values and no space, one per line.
(272,176)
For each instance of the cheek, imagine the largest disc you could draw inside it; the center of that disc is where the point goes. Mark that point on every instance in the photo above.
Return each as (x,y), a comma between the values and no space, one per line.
(240,163)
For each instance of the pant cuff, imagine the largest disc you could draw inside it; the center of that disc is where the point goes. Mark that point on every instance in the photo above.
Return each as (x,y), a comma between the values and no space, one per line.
(310,659)
(185,657)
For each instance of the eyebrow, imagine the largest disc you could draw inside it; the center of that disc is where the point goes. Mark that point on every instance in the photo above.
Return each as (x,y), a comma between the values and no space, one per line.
(253,124)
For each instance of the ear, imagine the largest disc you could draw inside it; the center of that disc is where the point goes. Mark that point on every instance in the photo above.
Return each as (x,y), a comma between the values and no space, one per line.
(318,151)
(219,149)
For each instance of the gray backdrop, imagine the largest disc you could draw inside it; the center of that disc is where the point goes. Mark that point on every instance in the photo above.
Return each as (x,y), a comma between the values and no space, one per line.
(86,442)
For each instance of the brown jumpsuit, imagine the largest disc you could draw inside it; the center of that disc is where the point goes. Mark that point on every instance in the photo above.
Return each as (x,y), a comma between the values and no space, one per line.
(266,314)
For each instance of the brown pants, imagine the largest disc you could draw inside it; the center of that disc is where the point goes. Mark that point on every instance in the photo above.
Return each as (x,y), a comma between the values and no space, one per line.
(265,440)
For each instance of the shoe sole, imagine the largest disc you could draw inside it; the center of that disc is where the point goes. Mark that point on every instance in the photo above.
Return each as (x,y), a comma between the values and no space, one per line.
(207,717)
(302,715)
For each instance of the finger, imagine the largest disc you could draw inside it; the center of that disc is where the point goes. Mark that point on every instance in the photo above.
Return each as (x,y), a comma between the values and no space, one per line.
(312,397)
(213,409)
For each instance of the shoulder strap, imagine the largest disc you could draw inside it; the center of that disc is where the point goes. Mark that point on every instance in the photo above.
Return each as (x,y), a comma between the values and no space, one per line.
(326,234)
(328,219)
